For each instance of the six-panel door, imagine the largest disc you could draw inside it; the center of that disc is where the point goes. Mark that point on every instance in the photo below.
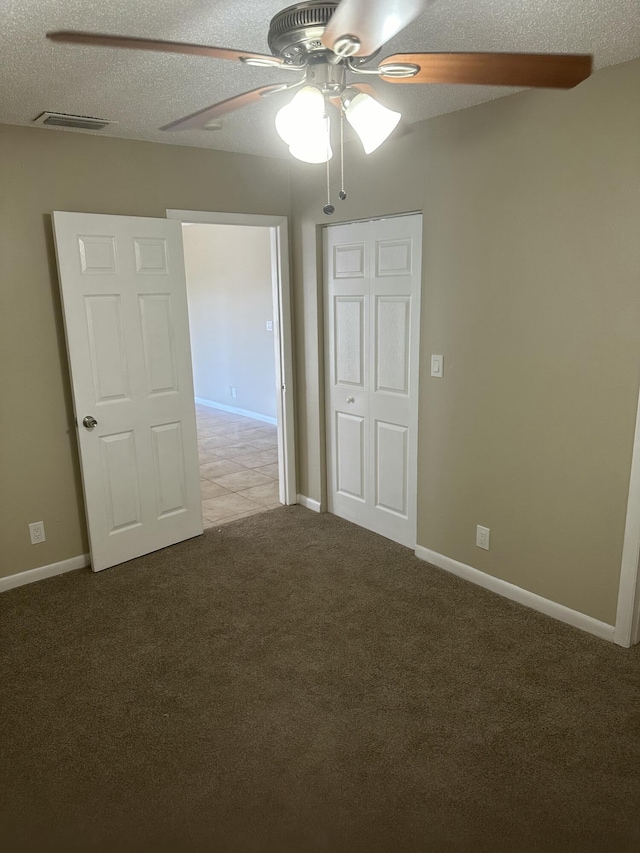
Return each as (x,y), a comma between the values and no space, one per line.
(372,304)
(126,322)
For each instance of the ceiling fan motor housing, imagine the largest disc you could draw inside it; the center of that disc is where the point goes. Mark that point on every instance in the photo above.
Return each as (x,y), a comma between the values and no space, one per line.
(295,33)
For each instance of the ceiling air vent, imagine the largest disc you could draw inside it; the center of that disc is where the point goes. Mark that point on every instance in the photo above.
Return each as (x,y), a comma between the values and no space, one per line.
(78,122)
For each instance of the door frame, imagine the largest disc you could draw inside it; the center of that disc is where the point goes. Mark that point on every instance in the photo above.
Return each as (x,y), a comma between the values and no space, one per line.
(324,365)
(282,329)
(627,629)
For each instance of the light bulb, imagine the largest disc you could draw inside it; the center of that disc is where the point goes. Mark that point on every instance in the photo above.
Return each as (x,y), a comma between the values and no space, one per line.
(311,151)
(371,121)
(302,124)
(314,144)
(306,108)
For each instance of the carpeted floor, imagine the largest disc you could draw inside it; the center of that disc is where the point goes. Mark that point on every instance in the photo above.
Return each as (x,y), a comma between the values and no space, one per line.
(290,683)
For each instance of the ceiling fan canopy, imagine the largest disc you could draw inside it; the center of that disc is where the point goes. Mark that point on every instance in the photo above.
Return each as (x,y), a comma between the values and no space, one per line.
(327,43)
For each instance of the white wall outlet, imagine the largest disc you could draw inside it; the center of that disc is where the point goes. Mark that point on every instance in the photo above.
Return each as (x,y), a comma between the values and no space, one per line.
(437,366)
(233,391)
(36,532)
(269,325)
(482,537)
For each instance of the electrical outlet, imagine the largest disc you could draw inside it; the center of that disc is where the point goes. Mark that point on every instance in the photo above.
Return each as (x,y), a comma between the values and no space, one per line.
(269,325)
(233,391)
(482,537)
(36,532)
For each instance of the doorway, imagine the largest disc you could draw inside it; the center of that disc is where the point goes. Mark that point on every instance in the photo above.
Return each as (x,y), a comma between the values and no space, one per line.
(281,333)
(229,294)
(124,298)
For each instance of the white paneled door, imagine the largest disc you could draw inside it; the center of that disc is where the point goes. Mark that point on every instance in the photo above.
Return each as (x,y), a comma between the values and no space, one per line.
(127,329)
(372,311)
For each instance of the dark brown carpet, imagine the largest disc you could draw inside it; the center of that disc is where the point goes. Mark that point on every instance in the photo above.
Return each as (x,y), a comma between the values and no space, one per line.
(290,683)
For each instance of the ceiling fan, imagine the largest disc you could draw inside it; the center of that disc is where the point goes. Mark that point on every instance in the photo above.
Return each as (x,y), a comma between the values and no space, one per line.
(327,44)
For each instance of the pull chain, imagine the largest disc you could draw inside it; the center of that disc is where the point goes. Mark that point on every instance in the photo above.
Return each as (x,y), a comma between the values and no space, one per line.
(328,208)
(343,193)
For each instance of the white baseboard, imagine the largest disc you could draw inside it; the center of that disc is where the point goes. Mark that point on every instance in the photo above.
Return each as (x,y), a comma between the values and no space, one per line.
(309,503)
(42,572)
(236,411)
(516,593)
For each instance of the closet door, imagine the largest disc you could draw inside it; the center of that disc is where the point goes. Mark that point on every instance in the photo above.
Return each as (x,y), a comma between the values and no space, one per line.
(372,316)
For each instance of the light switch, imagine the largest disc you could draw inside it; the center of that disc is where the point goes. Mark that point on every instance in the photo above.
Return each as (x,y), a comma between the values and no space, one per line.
(269,325)
(437,366)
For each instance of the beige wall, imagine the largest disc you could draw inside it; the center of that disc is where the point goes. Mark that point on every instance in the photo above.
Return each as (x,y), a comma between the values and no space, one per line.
(531,273)
(229,286)
(41,171)
(530,289)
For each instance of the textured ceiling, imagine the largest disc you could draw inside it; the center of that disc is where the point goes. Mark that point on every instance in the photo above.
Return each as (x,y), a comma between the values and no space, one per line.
(142,91)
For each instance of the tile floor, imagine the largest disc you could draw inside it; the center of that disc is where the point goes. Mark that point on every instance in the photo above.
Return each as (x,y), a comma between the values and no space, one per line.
(238,465)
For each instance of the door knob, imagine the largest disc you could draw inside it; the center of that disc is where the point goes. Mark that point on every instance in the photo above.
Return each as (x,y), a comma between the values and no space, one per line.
(351,399)
(89,422)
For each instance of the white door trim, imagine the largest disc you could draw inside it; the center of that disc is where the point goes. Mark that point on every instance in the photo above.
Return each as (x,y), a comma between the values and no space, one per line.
(282,328)
(627,631)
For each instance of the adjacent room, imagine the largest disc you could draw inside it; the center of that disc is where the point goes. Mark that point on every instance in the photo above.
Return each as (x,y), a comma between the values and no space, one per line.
(228,272)
(325,541)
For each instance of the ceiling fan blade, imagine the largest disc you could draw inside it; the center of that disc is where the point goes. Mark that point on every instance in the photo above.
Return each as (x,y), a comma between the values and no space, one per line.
(200,119)
(552,70)
(100,40)
(370,22)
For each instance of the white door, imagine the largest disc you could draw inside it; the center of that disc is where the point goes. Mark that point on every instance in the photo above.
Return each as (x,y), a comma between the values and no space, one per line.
(127,329)
(372,310)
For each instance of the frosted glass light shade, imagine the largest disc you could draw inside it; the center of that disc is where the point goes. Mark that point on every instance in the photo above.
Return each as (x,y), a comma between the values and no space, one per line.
(302,124)
(316,150)
(307,107)
(371,121)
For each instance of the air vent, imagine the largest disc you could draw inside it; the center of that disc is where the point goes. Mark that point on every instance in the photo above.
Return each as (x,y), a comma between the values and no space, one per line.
(66,120)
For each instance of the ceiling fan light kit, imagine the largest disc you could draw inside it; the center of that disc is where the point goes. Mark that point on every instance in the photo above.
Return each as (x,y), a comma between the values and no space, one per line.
(371,121)
(305,126)
(325,41)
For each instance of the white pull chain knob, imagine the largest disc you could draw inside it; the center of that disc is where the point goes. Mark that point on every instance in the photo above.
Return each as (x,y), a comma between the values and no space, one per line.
(351,399)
